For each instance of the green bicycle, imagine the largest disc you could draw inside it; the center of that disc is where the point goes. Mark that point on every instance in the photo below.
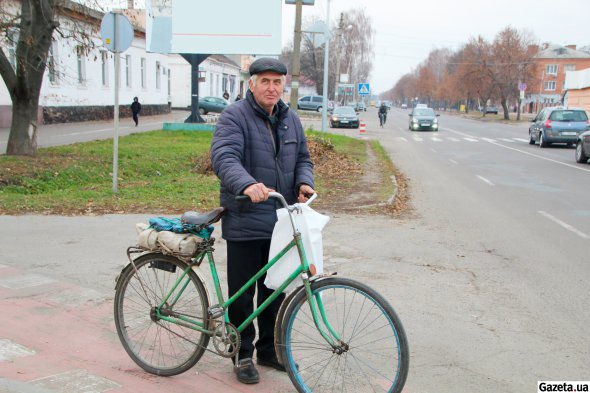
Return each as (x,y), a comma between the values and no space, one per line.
(331,333)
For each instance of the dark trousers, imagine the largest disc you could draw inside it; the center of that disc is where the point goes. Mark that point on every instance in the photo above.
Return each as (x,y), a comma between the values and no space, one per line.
(135,117)
(244,259)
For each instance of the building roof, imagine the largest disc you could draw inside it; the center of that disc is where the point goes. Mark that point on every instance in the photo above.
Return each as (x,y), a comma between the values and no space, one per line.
(224,59)
(561,52)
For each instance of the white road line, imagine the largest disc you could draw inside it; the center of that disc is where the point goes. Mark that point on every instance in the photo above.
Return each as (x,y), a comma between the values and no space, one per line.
(485,180)
(436,139)
(471,139)
(454,139)
(432,150)
(507,140)
(521,140)
(563,224)
(418,139)
(402,138)
(453,161)
(488,139)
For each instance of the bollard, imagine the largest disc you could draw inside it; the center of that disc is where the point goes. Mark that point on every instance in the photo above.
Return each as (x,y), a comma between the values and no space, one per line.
(362,128)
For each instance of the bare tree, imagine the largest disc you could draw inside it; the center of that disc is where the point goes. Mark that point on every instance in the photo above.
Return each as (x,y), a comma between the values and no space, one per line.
(30,26)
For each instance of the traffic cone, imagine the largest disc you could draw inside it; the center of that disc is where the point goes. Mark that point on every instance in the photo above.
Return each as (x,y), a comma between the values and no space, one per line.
(362,128)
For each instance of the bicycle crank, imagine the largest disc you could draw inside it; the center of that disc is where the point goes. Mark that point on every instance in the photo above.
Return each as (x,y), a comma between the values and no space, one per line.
(226,340)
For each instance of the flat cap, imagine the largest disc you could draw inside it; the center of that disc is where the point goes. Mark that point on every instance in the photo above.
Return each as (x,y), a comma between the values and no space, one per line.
(267,64)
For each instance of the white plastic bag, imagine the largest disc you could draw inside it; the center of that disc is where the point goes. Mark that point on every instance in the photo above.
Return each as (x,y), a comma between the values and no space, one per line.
(310,223)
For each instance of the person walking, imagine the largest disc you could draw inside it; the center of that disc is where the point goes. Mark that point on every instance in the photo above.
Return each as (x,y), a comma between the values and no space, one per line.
(135,109)
(258,146)
(238,97)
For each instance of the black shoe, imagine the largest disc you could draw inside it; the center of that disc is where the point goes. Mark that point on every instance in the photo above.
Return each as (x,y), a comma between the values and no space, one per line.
(246,372)
(270,362)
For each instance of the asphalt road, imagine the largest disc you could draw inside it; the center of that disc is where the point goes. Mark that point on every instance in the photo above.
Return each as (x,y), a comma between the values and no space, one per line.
(488,272)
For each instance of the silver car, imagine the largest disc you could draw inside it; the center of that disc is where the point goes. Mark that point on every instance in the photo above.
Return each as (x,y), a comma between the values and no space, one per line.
(558,125)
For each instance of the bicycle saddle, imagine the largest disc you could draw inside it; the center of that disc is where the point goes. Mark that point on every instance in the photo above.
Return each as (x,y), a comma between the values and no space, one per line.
(203,218)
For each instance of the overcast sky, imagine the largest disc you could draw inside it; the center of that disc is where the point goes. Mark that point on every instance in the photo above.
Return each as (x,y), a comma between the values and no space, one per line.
(406,31)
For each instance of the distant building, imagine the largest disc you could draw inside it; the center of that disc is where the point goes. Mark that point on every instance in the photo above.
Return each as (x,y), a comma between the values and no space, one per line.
(79,86)
(553,61)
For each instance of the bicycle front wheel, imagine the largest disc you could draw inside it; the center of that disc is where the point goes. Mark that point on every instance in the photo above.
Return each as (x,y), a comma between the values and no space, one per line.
(373,355)
(156,345)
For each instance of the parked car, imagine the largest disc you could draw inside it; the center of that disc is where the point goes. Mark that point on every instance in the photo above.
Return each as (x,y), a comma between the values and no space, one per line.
(404,106)
(344,116)
(423,119)
(212,104)
(583,147)
(313,103)
(492,109)
(558,125)
(361,106)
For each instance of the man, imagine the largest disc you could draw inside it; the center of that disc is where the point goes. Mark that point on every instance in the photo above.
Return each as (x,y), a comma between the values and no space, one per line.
(258,146)
(135,109)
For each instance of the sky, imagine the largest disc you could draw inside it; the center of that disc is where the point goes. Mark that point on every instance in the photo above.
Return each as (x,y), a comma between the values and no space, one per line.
(407,30)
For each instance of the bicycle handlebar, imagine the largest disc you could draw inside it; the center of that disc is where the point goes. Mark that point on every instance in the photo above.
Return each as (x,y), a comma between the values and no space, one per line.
(279,196)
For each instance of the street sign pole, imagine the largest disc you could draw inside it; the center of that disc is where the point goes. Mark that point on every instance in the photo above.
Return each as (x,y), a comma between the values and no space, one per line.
(116,110)
(326,59)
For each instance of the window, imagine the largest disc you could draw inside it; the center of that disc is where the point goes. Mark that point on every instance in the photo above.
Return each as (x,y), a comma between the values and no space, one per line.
(232,84)
(569,67)
(305,99)
(143,83)
(105,67)
(128,70)
(551,69)
(81,64)
(317,99)
(224,83)
(52,71)
(550,85)
(158,71)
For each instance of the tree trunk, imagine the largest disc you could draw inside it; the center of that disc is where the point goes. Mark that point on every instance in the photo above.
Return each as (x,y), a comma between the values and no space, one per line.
(23,130)
(505,108)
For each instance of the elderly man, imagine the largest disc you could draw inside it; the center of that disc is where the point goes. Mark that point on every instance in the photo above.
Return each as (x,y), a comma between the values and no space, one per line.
(258,146)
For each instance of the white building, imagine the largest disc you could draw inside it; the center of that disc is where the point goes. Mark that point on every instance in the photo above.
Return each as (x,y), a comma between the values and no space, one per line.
(79,86)
(217,74)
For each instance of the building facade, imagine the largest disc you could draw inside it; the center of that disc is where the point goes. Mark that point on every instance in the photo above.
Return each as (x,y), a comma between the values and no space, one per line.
(577,85)
(553,62)
(78,84)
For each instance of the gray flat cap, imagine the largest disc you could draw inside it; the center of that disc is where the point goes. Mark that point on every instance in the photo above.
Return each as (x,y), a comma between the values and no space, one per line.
(265,64)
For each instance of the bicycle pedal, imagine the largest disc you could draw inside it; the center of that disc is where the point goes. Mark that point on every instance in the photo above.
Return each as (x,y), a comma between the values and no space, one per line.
(215,311)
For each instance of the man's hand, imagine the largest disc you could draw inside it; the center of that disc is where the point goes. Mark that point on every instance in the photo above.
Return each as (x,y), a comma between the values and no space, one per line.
(305,192)
(257,192)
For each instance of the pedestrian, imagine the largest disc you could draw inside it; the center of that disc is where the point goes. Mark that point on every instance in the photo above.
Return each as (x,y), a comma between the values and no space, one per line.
(258,146)
(226,95)
(135,109)
(238,97)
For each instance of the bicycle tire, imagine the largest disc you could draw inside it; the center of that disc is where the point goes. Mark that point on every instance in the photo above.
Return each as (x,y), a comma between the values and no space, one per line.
(374,362)
(279,323)
(158,346)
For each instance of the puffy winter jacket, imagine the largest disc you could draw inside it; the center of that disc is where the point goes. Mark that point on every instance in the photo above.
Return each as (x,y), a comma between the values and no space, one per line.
(243,153)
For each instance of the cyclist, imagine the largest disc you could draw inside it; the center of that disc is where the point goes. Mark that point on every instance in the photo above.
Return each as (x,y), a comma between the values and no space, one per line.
(382,113)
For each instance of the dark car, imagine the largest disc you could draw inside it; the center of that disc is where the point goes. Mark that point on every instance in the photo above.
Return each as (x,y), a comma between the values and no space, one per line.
(212,104)
(423,119)
(558,125)
(583,147)
(344,116)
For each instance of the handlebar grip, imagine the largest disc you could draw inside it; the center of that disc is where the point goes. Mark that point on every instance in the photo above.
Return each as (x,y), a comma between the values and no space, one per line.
(242,198)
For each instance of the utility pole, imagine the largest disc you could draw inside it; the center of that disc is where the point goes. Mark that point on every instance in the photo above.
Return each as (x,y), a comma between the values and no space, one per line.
(296,64)
(338,58)
(326,59)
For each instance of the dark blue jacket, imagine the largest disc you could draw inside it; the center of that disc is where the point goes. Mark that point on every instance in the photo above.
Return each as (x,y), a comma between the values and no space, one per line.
(243,153)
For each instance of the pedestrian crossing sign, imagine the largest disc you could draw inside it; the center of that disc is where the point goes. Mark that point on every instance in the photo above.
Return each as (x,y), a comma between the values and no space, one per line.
(364,89)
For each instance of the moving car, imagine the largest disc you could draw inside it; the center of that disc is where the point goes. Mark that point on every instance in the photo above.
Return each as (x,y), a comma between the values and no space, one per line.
(361,106)
(583,147)
(212,104)
(344,116)
(558,125)
(404,106)
(313,103)
(423,119)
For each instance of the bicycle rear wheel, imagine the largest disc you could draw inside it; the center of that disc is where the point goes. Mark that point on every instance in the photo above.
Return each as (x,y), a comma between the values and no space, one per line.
(375,357)
(158,346)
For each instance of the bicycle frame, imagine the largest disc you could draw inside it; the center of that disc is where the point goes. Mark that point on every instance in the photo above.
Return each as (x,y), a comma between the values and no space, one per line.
(315,302)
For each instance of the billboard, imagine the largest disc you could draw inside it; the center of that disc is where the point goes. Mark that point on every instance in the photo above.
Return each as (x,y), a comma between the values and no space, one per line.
(214,27)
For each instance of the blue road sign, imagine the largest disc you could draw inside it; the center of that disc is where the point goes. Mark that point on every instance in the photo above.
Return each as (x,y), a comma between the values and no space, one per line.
(364,89)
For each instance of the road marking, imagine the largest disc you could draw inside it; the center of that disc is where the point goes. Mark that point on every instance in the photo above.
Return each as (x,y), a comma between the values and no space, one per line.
(485,180)
(454,139)
(432,150)
(436,139)
(471,139)
(453,161)
(488,139)
(563,224)
(418,139)
(10,350)
(507,140)
(521,140)
(402,138)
